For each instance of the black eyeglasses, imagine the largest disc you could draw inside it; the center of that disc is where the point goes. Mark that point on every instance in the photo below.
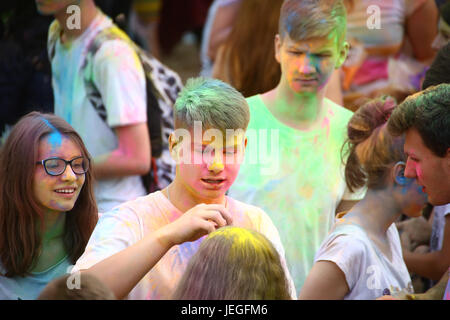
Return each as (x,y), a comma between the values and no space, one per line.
(56,166)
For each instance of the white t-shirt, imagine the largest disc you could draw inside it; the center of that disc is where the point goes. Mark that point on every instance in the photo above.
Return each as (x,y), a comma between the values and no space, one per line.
(119,77)
(368,272)
(132,221)
(296,177)
(437,231)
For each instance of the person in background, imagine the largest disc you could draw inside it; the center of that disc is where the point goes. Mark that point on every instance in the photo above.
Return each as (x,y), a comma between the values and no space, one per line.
(294,171)
(424,119)
(361,258)
(237,62)
(103,92)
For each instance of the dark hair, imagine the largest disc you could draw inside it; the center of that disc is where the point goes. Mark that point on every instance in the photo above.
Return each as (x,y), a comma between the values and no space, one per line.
(439,71)
(20,214)
(306,19)
(247,58)
(90,288)
(234,264)
(428,112)
(371,150)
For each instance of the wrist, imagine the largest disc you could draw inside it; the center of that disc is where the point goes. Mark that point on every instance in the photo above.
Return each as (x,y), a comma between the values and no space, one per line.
(164,237)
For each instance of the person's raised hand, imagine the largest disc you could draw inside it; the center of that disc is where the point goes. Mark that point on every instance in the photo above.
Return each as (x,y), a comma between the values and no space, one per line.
(197,222)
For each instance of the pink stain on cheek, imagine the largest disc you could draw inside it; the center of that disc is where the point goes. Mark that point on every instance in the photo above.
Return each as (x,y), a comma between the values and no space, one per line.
(419,171)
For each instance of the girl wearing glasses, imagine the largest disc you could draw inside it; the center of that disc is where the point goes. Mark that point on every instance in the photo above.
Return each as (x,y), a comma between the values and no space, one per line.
(47,206)
(362,256)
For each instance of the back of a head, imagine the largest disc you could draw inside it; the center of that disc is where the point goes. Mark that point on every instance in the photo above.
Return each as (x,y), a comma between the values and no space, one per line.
(214,103)
(372,150)
(439,71)
(306,19)
(88,288)
(234,264)
(428,112)
(248,57)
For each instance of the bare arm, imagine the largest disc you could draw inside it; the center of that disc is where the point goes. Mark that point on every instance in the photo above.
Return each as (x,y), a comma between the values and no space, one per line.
(325,281)
(132,157)
(144,254)
(420,34)
(434,264)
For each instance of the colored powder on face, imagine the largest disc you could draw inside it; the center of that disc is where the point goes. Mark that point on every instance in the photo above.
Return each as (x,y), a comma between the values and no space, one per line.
(54,138)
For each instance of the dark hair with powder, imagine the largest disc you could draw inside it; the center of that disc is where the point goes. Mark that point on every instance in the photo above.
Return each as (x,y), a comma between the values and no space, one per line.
(428,112)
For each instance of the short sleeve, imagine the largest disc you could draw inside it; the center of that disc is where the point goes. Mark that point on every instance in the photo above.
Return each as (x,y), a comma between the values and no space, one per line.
(347,252)
(120,79)
(115,231)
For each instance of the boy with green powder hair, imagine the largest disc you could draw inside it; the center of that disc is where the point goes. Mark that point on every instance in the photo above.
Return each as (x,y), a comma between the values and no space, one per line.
(306,188)
(141,248)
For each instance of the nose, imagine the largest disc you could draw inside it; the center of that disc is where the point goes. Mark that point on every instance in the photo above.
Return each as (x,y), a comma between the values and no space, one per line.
(306,64)
(68,174)
(410,169)
(216,165)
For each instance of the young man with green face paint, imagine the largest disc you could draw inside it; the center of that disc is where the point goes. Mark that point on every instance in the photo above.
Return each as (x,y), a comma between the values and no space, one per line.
(302,196)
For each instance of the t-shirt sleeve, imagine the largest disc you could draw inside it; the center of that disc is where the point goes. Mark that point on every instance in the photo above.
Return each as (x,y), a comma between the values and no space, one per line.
(120,79)
(347,253)
(115,231)
(268,229)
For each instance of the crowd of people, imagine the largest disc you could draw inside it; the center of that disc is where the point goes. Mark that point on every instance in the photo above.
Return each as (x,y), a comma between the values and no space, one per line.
(283,172)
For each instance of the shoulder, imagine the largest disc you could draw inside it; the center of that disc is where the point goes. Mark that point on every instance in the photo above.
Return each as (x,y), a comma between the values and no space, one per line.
(337,111)
(254,100)
(344,241)
(255,216)
(412,6)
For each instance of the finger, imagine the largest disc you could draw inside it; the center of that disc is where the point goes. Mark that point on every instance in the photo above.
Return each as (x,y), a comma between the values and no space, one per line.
(225,213)
(214,216)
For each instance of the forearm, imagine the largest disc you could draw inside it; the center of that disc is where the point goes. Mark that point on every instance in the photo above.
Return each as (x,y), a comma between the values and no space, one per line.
(117,164)
(122,271)
(430,265)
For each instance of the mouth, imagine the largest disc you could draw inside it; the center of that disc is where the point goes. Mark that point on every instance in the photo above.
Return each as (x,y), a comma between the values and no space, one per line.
(307,81)
(66,192)
(214,183)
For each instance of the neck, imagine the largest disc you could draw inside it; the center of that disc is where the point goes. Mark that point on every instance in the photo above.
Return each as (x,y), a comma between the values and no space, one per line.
(298,110)
(88,11)
(184,199)
(374,217)
(54,225)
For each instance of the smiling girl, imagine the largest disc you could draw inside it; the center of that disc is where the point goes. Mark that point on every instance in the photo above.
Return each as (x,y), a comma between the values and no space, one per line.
(47,207)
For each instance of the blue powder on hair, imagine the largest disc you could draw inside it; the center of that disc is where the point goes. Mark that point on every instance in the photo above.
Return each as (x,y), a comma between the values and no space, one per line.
(55,137)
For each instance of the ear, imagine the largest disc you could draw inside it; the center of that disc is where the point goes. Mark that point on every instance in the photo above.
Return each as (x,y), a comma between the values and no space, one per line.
(342,54)
(277,44)
(399,173)
(172,144)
